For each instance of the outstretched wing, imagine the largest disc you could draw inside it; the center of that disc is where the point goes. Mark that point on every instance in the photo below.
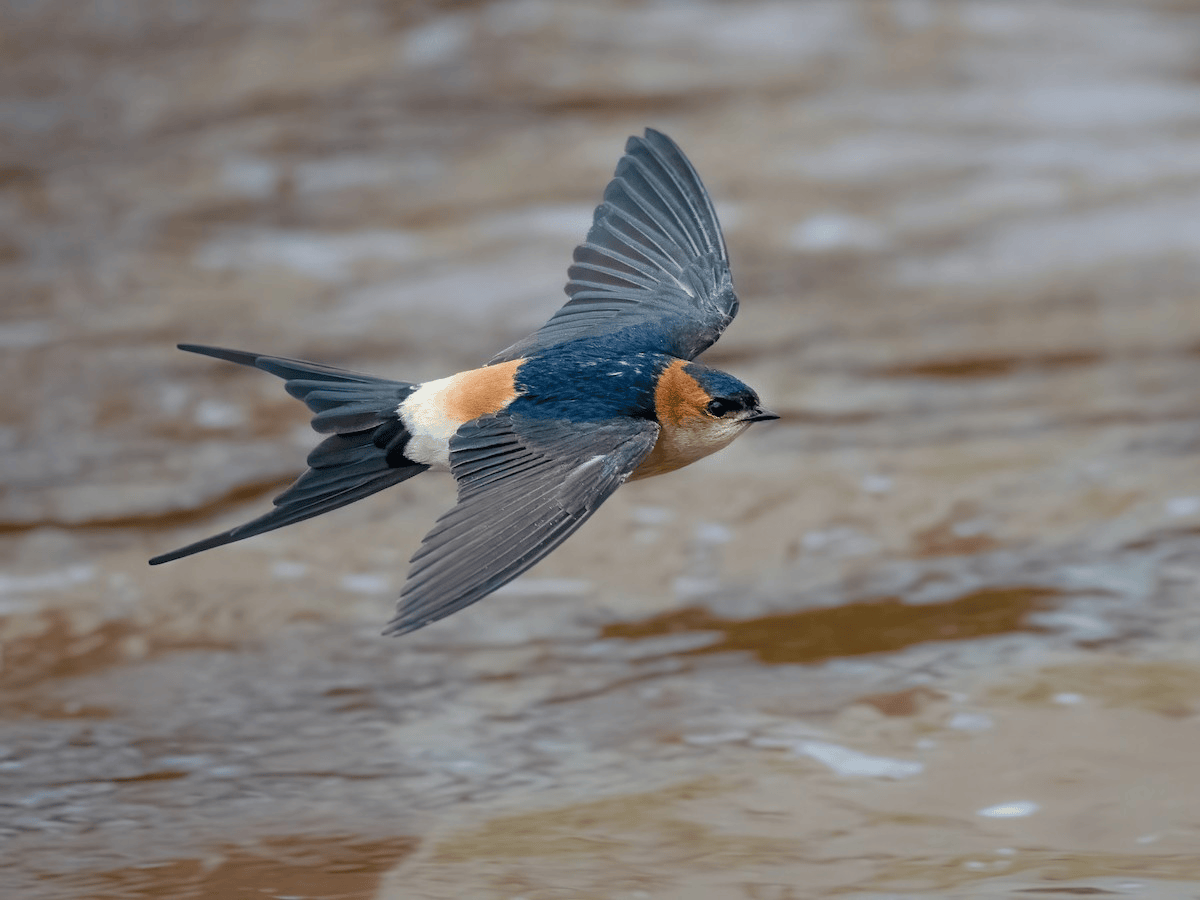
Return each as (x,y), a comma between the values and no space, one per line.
(524,486)
(653,265)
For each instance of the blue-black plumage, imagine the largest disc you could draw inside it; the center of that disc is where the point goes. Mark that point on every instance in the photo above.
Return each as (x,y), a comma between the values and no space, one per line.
(606,391)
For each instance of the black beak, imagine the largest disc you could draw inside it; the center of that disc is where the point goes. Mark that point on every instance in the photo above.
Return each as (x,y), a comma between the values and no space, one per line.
(761,415)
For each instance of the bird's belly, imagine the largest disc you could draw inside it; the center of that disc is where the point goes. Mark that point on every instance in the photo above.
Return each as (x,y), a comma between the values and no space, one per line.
(679,446)
(424,415)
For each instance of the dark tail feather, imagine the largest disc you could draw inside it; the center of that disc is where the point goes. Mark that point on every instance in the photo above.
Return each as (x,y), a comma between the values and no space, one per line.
(364,452)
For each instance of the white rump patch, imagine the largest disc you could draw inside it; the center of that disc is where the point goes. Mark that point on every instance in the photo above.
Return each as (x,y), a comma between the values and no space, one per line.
(423,414)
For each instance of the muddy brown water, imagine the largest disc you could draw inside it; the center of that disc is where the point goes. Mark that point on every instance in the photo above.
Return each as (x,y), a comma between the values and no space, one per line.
(933,634)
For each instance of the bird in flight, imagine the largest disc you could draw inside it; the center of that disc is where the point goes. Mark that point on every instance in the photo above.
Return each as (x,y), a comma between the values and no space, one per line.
(605,392)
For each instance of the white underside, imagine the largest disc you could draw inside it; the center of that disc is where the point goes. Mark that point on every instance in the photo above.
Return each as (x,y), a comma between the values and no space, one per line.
(431,429)
(691,442)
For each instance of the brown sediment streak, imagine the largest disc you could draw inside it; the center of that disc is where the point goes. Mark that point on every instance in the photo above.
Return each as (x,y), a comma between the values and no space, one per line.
(678,395)
(481,392)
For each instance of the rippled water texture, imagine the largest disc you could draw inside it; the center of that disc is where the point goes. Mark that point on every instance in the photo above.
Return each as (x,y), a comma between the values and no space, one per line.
(933,634)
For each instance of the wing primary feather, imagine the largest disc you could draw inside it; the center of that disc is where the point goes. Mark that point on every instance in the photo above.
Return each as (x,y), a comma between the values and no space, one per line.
(679,166)
(466,549)
(691,207)
(615,278)
(504,571)
(630,231)
(469,577)
(681,171)
(602,259)
(642,183)
(649,215)
(624,246)
(524,486)
(653,265)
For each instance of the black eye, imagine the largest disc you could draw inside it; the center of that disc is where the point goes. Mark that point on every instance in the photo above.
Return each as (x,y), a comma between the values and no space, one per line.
(720,407)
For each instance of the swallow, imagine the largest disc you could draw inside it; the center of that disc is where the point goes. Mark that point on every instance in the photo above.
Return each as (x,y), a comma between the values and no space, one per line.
(607,391)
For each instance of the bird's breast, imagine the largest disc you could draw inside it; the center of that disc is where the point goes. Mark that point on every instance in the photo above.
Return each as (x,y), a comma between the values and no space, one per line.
(681,443)
(435,411)
(687,432)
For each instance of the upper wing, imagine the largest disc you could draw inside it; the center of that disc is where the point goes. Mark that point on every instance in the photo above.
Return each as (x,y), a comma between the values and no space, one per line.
(524,485)
(653,261)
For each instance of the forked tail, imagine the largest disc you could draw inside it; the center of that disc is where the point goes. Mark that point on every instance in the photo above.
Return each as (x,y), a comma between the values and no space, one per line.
(364,452)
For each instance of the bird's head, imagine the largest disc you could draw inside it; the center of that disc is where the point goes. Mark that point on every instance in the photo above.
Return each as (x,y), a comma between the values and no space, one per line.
(727,398)
(711,404)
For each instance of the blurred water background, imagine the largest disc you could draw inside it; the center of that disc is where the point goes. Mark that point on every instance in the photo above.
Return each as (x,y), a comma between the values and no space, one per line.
(934,634)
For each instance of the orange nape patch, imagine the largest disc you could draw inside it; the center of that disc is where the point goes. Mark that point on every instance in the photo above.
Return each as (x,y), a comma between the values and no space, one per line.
(480,392)
(678,396)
